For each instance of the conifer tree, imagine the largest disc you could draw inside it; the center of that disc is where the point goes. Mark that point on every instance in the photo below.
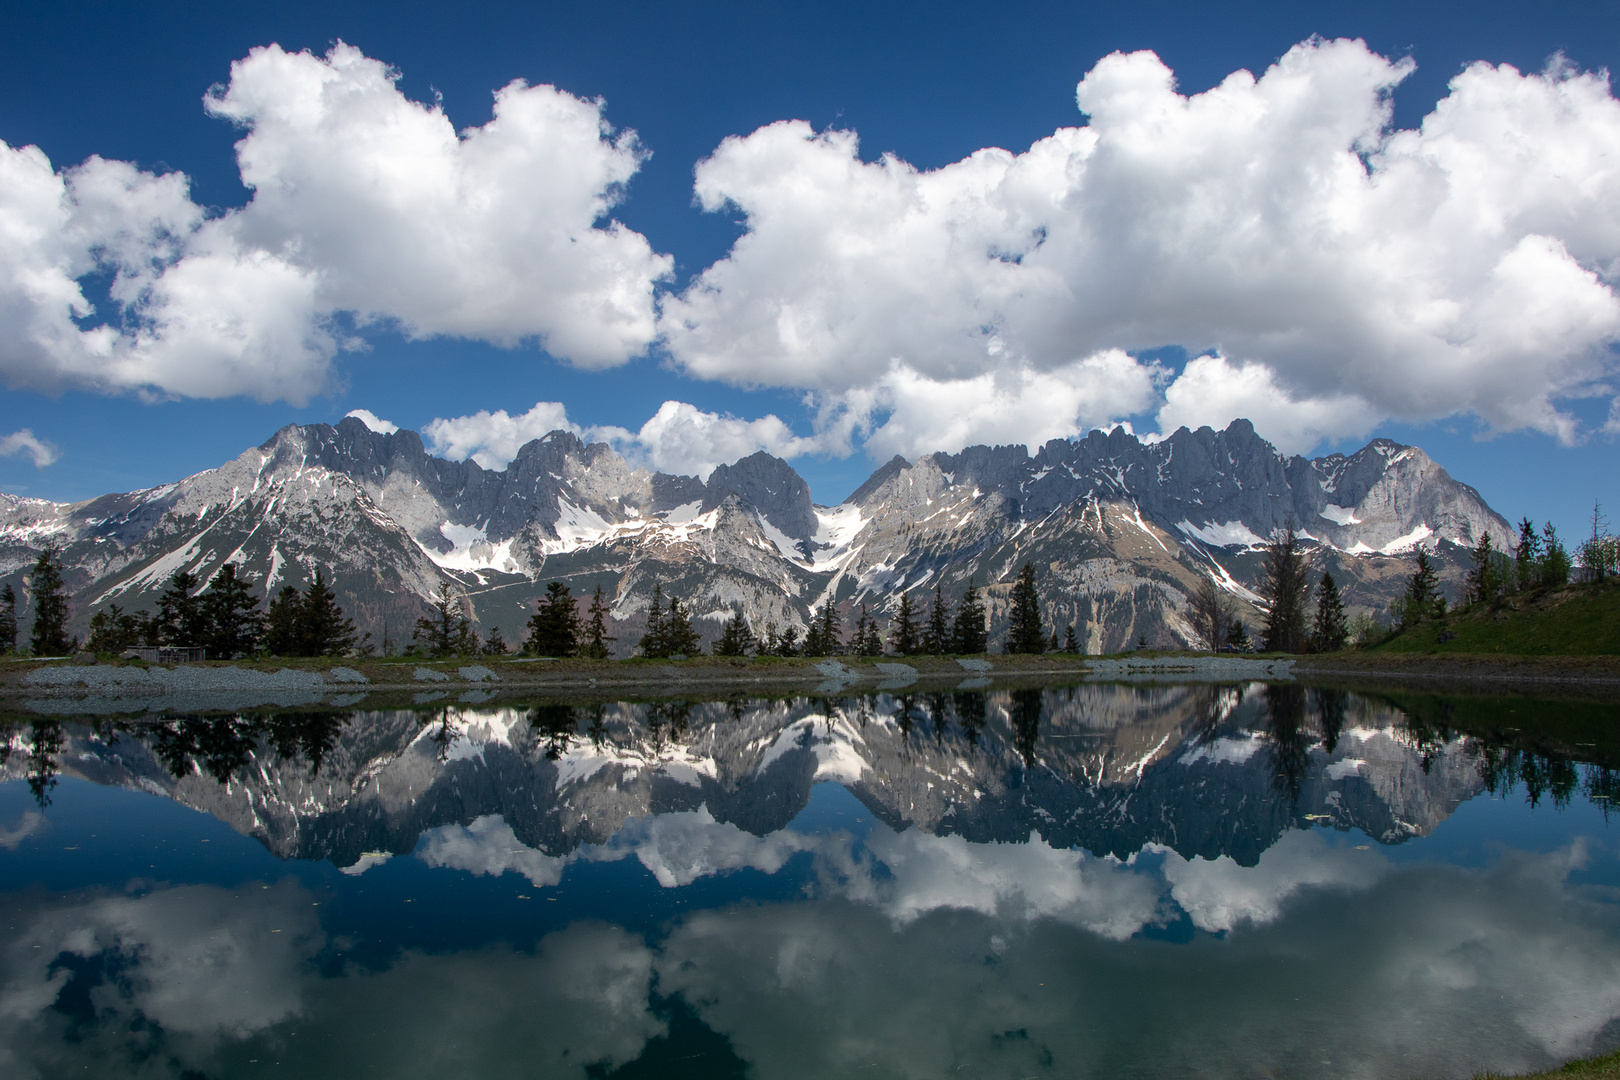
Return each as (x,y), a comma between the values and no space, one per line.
(770,643)
(1285,588)
(111,631)
(815,642)
(903,632)
(49,636)
(554,627)
(1025,635)
(1238,638)
(323,629)
(936,636)
(653,645)
(679,637)
(1528,556)
(180,619)
(8,619)
(867,641)
(596,635)
(1422,593)
(1555,564)
(832,627)
(1330,631)
(787,642)
(737,638)
(230,612)
(1482,583)
(969,633)
(282,620)
(1070,645)
(495,643)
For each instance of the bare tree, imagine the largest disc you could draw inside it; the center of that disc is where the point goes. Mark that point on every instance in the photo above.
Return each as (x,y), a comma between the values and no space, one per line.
(1211,612)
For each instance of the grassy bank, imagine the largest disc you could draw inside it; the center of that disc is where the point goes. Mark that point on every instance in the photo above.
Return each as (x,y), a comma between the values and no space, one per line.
(1606,1067)
(1578,620)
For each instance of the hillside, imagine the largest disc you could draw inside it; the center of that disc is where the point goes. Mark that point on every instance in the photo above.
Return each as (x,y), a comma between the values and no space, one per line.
(1578,620)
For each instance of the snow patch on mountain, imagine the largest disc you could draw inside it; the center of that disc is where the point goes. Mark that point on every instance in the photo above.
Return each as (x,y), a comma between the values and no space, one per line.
(1222,534)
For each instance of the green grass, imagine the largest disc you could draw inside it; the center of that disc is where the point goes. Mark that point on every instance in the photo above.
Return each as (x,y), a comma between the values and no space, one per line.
(1580,620)
(1606,1067)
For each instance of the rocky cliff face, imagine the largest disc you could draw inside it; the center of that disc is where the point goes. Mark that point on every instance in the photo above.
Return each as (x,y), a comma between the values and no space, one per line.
(1120,531)
(1204,771)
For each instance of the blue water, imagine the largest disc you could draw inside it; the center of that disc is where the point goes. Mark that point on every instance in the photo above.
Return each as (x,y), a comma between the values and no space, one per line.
(811,888)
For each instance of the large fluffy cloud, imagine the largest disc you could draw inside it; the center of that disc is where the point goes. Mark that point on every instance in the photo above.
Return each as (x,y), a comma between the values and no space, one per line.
(1335,271)
(364,203)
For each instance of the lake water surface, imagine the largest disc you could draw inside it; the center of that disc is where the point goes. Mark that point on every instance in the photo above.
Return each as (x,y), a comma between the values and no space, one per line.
(1064,881)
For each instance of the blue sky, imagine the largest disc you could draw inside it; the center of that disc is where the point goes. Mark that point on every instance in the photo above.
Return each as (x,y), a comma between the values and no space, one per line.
(1094,307)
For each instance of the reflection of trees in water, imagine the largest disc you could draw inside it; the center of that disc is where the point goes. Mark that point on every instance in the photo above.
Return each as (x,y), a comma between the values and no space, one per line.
(555,726)
(218,746)
(1290,742)
(939,711)
(1026,722)
(970,709)
(1330,707)
(45,741)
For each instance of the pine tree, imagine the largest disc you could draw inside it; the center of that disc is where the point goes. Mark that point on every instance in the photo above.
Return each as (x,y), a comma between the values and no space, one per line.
(1555,564)
(1025,635)
(1238,638)
(736,639)
(770,643)
(1528,555)
(1285,588)
(679,637)
(1330,631)
(180,619)
(112,631)
(1070,645)
(437,635)
(867,640)
(596,635)
(554,627)
(323,630)
(495,643)
(903,635)
(653,645)
(1422,592)
(787,642)
(815,642)
(50,607)
(8,619)
(230,612)
(281,623)
(832,627)
(969,636)
(936,636)
(1482,583)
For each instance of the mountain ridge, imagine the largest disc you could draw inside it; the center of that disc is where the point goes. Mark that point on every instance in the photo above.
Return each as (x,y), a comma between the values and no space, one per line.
(1119,528)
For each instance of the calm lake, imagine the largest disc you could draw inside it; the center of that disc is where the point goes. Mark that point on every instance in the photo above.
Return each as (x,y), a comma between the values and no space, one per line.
(1066,881)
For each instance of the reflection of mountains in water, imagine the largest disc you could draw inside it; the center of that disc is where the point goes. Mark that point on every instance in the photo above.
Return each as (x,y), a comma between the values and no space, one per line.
(1202,770)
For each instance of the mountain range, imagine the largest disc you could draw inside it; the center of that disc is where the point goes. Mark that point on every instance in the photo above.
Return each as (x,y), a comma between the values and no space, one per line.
(1119,530)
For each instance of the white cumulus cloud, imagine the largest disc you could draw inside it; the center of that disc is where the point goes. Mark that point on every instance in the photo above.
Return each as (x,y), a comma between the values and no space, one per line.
(364,204)
(26,442)
(373,421)
(1336,271)
(679,438)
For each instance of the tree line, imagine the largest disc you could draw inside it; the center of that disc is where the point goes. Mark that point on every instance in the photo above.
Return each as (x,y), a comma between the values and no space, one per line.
(221,615)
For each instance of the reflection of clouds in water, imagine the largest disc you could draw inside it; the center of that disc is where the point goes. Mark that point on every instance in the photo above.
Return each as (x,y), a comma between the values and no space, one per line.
(489,846)
(676,848)
(1425,971)
(202,963)
(1218,894)
(31,822)
(1029,880)
(581,998)
(203,978)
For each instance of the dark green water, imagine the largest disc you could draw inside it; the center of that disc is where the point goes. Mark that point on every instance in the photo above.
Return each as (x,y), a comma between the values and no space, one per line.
(1088,881)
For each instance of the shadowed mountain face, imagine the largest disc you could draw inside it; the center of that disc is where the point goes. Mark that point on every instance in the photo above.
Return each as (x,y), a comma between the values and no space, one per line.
(1119,531)
(1199,770)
